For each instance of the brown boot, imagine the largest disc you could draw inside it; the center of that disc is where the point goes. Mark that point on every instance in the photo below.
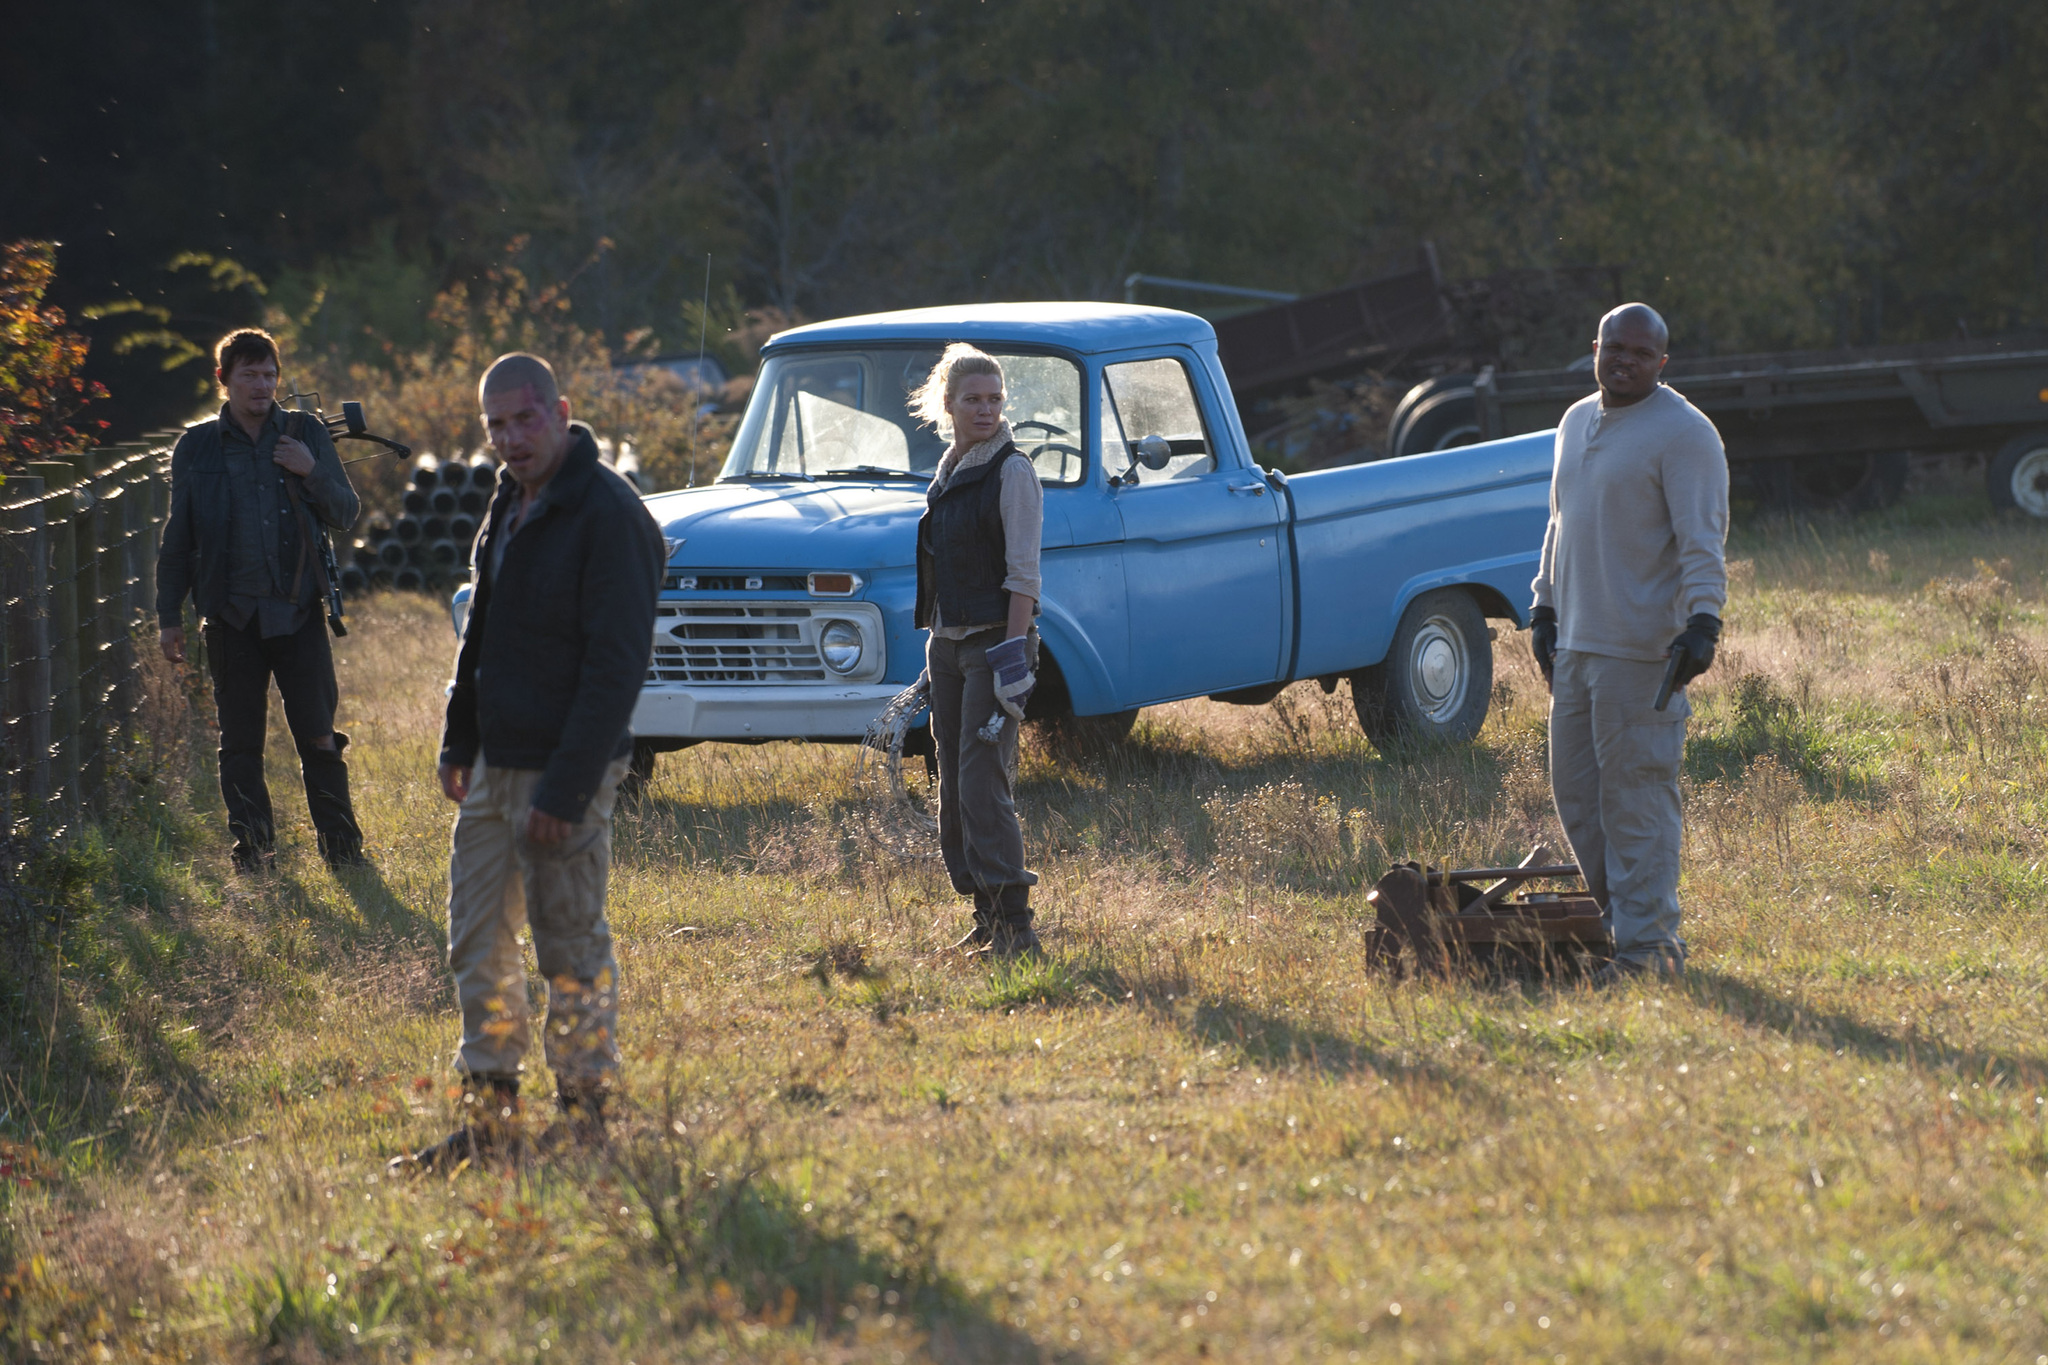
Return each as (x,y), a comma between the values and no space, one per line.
(582,1118)
(490,1138)
(327,800)
(1011,935)
(977,938)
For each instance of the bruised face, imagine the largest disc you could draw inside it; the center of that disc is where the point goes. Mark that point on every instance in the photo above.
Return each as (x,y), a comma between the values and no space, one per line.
(252,388)
(976,408)
(528,436)
(1628,358)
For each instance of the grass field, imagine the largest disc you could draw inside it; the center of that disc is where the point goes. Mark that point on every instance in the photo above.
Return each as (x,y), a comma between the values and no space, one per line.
(1200,1129)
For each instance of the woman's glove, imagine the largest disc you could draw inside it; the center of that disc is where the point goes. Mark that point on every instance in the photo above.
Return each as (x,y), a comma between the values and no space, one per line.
(1010,661)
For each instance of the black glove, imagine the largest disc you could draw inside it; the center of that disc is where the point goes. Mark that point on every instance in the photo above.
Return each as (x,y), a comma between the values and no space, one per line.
(1543,638)
(1702,633)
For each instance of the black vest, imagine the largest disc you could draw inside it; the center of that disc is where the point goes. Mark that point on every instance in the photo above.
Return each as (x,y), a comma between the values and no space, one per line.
(962,557)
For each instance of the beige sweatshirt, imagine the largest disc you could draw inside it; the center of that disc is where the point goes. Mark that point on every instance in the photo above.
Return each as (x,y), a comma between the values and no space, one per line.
(1638,521)
(1022,507)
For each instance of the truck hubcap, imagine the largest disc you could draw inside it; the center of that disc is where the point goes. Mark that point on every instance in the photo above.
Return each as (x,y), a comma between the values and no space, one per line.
(2030,482)
(1438,669)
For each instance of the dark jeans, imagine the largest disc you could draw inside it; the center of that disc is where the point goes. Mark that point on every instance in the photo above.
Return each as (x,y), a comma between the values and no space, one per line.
(243,664)
(978,831)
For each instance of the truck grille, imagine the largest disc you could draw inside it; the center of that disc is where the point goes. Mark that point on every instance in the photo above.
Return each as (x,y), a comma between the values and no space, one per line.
(734,644)
(733,580)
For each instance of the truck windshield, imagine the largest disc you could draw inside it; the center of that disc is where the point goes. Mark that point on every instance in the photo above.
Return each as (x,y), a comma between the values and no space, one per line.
(846,414)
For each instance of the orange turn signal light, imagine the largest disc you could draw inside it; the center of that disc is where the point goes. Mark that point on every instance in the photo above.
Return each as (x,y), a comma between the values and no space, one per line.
(833,584)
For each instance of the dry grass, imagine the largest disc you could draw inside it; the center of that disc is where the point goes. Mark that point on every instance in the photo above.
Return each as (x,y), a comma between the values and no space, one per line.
(1201,1128)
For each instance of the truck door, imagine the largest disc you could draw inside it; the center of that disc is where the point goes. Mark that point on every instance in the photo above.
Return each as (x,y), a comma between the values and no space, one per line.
(1201,539)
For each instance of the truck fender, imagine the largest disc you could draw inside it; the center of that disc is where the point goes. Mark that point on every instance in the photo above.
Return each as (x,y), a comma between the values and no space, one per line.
(1496,584)
(1087,678)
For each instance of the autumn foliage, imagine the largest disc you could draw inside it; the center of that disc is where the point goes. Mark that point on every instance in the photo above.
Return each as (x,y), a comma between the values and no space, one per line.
(41,390)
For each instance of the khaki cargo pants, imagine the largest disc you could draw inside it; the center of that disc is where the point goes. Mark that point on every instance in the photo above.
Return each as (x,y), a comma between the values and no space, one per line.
(499,883)
(1614,763)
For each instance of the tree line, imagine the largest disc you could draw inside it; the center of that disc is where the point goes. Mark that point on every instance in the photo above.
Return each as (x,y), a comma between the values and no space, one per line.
(1769,173)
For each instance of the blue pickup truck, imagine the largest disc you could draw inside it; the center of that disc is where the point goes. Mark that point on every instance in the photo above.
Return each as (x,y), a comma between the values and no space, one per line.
(1173,566)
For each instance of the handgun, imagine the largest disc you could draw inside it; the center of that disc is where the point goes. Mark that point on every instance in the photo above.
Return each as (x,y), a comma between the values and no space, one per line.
(1679,654)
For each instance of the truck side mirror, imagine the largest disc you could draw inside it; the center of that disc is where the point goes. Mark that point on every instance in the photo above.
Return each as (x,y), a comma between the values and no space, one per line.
(352,414)
(1154,452)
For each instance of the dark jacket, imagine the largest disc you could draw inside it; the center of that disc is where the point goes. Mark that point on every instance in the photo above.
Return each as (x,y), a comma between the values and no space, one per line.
(559,639)
(962,553)
(193,555)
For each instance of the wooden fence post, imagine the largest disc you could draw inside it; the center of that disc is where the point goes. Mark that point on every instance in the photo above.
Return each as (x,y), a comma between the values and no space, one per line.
(25,686)
(117,579)
(94,642)
(59,507)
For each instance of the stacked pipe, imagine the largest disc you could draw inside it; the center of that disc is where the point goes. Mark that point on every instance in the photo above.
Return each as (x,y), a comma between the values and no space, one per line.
(427,543)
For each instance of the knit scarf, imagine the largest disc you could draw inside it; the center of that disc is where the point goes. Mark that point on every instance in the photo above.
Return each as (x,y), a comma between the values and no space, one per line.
(972,456)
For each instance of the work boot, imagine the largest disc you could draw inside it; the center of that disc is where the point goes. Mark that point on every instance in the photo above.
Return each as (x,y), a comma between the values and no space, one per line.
(247,798)
(1011,934)
(978,937)
(252,859)
(327,799)
(1013,941)
(582,1117)
(490,1138)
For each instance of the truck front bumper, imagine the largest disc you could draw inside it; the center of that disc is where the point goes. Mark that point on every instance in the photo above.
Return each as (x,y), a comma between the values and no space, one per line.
(784,711)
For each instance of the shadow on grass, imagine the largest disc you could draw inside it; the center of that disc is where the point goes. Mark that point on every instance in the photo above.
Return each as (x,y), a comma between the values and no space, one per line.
(113,991)
(83,1010)
(1267,1039)
(384,912)
(745,1247)
(659,830)
(1751,1004)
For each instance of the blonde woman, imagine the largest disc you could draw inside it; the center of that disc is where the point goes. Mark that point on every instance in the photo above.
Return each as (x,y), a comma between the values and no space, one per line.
(977,592)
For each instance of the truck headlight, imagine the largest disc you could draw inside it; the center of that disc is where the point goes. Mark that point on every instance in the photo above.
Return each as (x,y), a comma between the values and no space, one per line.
(840,643)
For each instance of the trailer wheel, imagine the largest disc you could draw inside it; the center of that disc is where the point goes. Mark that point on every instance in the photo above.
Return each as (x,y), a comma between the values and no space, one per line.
(2018,474)
(1441,421)
(1437,678)
(1831,483)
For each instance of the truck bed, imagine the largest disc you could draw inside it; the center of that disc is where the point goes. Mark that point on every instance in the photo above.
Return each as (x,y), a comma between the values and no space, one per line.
(1383,532)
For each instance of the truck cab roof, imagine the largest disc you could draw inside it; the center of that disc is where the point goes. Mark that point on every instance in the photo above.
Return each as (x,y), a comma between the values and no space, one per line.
(1086,328)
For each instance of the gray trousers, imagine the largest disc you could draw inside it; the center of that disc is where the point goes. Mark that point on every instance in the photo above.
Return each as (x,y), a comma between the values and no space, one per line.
(499,883)
(1614,773)
(978,831)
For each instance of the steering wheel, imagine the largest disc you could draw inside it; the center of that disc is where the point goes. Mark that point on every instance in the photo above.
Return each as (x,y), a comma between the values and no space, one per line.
(1064,450)
(1047,427)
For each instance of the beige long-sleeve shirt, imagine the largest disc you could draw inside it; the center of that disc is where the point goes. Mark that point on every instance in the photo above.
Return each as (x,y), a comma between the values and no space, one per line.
(1021,504)
(1638,522)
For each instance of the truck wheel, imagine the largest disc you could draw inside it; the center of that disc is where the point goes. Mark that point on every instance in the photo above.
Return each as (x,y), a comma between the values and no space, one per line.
(2018,474)
(639,771)
(640,767)
(1437,679)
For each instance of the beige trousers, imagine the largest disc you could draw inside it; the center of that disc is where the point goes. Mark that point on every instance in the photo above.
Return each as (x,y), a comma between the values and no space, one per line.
(1614,763)
(499,883)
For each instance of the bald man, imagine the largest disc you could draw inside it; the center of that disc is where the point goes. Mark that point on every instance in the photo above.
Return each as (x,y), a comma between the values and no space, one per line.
(537,737)
(1632,571)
